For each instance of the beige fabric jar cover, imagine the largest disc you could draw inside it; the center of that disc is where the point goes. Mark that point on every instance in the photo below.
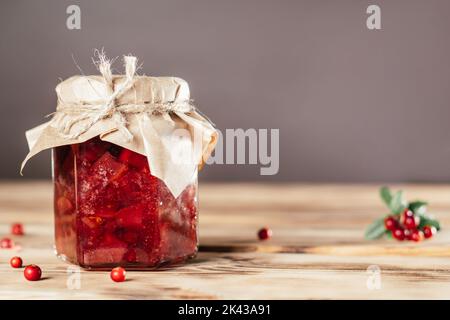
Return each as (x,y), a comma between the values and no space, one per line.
(153,116)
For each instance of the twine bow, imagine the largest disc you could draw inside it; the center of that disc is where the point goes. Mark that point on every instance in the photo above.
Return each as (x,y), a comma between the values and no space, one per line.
(67,115)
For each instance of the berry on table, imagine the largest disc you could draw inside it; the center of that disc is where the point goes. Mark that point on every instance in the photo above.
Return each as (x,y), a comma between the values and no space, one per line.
(118,274)
(429,231)
(17,229)
(32,272)
(264,233)
(16,262)
(6,243)
(390,223)
(398,234)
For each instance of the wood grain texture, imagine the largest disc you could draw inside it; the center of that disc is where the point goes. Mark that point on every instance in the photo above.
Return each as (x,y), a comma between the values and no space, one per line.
(317,251)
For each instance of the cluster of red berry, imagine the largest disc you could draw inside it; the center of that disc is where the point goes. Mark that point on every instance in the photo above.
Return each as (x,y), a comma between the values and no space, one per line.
(31,272)
(408,227)
(407,220)
(17,230)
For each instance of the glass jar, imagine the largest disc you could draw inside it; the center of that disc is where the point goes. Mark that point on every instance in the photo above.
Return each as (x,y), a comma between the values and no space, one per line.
(110,210)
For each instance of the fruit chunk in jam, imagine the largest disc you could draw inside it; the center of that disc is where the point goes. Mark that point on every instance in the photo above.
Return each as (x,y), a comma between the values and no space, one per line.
(110,210)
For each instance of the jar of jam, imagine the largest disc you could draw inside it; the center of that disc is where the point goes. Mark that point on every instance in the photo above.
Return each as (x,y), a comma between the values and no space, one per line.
(122,197)
(110,210)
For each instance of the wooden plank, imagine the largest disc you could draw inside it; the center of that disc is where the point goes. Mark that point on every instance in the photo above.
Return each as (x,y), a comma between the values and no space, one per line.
(317,250)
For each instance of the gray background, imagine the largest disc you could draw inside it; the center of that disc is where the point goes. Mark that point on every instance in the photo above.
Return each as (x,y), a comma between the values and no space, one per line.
(351,104)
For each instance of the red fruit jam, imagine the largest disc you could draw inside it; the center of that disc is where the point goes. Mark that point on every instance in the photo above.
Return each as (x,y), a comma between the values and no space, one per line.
(110,211)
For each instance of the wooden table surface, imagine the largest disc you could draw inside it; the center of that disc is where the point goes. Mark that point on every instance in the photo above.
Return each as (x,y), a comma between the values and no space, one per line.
(317,250)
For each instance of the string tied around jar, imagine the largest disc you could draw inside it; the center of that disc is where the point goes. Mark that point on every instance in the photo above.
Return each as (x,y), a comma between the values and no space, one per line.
(88,114)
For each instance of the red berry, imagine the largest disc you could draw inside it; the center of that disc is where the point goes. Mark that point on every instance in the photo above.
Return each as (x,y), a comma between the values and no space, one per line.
(408,213)
(118,274)
(32,272)
(390,223)
(17,229)
(16,262)
(264,233)
(6,243)
(411,222)
(398,234)
(407,234)
(416,235)
(429,231)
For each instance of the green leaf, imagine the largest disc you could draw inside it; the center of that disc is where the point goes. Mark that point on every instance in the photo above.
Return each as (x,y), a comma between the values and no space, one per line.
(429,221)
(398,204)
(375,230)
(386,195)
(418,207)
